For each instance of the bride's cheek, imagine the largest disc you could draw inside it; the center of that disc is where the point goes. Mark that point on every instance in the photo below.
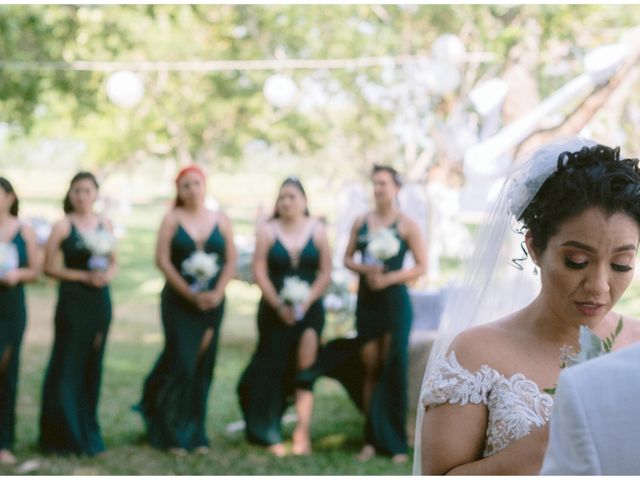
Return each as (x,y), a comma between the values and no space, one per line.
(619,287)
(562,281)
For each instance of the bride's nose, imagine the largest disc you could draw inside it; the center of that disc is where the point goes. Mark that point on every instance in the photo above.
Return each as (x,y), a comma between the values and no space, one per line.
(596,281)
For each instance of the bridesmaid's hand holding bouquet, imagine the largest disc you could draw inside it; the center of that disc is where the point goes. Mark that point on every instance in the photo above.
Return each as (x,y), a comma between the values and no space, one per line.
(8,264)
(382,245)
(294,294)
(202,267)
(101,243)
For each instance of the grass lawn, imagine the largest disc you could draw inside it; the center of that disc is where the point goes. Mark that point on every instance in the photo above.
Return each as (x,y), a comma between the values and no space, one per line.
(134,342)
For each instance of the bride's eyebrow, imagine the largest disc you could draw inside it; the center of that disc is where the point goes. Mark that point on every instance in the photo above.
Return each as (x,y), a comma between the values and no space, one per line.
(624,248)
(582,246)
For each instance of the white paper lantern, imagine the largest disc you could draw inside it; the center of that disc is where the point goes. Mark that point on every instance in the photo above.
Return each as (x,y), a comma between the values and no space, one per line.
(125,88)
(280,91)
(448,48)
(442,77)
(489,95)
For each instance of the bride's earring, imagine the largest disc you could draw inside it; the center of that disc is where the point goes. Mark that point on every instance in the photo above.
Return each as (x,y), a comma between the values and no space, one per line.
(535,270)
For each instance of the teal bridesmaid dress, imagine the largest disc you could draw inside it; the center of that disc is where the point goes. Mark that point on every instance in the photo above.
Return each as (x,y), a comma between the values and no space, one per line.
(175,393)
(68,420)
(378,312)
(267,386)
(13,318)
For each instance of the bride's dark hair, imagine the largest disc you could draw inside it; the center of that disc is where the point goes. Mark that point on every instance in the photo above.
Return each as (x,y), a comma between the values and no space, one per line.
(591,177)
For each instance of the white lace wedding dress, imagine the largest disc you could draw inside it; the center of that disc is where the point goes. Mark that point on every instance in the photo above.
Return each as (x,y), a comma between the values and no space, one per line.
(515,404)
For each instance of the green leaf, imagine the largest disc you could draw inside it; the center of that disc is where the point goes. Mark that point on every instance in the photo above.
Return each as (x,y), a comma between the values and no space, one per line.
(610,340)
(619,327)
(550,391)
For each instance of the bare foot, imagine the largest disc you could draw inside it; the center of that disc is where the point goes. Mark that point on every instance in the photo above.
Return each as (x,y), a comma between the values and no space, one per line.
(367,453)
(178,452)
(7,458)
(203,450)
(301,443)
(400,458)
(278,449)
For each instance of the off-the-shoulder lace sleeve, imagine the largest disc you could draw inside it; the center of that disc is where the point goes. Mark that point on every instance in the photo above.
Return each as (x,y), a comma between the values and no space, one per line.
(450,382)
(516,404)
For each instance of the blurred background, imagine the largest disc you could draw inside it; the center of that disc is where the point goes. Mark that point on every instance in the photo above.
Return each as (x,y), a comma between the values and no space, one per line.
(449,95)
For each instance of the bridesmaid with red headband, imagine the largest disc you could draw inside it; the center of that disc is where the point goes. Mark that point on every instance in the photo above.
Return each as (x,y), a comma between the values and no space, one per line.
(196,254)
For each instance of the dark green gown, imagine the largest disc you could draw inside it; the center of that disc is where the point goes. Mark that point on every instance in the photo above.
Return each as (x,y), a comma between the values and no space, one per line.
(266,387)
(377,313)
(174,398)
(13,318)
(68,421)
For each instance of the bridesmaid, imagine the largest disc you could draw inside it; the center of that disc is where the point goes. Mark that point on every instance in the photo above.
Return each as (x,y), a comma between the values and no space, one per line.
(289,244)
(174,398)
(68,421)
(373,367)
(20,239)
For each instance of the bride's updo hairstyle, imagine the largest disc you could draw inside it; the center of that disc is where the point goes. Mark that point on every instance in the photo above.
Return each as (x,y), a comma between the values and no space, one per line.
(591,177)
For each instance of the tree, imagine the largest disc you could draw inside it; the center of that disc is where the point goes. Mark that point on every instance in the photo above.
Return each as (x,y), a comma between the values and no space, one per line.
(384,114)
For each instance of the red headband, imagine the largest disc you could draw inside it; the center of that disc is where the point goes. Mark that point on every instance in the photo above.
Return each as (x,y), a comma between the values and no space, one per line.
(190,168)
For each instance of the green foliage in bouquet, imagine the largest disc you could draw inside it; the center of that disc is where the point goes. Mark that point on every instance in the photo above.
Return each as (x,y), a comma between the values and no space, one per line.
(591,346)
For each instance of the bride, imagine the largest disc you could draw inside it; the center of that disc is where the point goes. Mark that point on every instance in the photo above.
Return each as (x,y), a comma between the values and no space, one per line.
(484,406)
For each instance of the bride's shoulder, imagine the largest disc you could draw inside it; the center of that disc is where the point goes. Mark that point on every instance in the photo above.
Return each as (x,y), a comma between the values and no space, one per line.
(630,332)
(481,345)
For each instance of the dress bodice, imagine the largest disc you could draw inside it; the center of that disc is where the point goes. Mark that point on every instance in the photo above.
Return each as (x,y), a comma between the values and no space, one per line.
(280,264)
(76,254)
(21,246)
(182,246)
(515,404)
(393,263)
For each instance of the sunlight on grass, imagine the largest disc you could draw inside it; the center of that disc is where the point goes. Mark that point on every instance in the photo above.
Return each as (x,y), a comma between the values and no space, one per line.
(150,287)
(152,338)
(331,441)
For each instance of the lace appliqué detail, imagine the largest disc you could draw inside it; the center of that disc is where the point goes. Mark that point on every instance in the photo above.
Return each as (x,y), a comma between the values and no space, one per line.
(515,404)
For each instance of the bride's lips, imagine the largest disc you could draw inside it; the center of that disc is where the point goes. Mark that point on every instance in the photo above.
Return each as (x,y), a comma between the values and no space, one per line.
(589,308)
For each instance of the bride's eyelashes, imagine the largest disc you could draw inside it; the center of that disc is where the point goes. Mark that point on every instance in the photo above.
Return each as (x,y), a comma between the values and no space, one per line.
(574,265)
(621,268)
(580,265)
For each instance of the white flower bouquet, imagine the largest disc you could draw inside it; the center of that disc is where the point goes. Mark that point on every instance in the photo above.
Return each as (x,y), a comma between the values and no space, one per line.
(245,249)
(338,296)
(202,267)
(382,245)
(591,346)
(101,244)
(295,292)
(8,258)
(340,305)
